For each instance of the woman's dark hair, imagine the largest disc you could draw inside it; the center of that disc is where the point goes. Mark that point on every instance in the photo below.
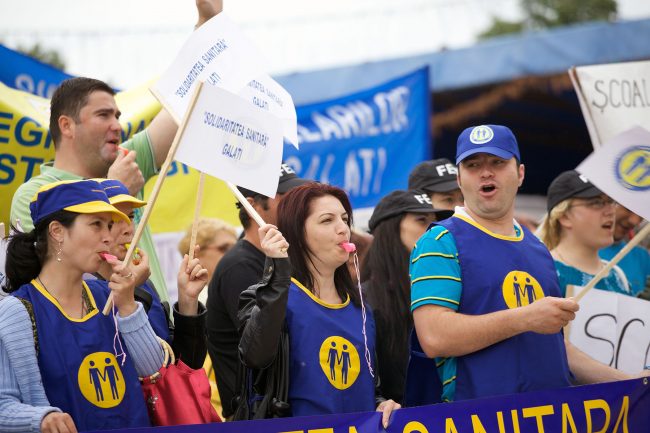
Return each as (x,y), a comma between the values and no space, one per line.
(385,275)
(293,211)
(26,252)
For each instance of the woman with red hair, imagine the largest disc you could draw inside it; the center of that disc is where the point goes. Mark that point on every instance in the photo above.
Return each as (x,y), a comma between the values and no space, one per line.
(307,295)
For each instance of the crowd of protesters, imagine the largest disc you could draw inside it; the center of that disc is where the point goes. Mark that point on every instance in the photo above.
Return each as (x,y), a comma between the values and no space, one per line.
(293,328)
(303,315)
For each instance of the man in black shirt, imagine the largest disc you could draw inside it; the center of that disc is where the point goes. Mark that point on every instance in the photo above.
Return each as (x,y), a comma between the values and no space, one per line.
(240,268)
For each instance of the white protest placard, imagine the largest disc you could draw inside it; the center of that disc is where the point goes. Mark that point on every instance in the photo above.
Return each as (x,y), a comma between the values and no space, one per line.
(228,138)
(621,169)
(614,329)
(613,97)
(265,93)
(217,53)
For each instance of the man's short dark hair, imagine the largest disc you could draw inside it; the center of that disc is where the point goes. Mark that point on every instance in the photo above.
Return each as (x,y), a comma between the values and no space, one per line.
(69,98)
(244,218)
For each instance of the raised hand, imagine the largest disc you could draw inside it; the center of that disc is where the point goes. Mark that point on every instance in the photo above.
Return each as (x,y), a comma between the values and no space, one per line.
(126,170)
(192,278)
(141,270)
(272,242)
(207,9)
(122,285)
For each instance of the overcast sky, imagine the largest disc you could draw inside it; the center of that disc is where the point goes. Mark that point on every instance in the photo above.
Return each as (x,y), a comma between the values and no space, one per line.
(127,42)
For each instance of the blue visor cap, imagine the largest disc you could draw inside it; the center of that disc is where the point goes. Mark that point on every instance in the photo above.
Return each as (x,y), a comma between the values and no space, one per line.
(79,196)
(493,139)
(117,192)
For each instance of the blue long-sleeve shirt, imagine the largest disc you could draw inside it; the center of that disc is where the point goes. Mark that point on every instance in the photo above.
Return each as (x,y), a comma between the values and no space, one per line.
(23,403)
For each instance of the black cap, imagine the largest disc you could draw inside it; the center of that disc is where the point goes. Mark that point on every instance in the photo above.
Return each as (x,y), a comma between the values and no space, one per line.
(288,180)
(568,185)
(438,175)
(400,202)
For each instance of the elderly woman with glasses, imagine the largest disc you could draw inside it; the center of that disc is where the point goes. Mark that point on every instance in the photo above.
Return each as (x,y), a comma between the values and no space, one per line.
(580,221)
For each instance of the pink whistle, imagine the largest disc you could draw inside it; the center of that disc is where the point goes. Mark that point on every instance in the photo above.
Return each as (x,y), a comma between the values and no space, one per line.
(348,246)
(108,257)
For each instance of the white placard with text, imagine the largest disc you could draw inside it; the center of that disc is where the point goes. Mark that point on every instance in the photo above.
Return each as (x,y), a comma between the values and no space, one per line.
(217,53)
(614,329)
(613,97)
(228,138)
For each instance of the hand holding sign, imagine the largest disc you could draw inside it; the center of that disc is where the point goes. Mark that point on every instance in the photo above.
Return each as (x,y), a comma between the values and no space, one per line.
(217,53)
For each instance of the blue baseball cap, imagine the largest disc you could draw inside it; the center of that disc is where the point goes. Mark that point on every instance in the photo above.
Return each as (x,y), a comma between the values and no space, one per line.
(496,140)
(117,192)
(79,196)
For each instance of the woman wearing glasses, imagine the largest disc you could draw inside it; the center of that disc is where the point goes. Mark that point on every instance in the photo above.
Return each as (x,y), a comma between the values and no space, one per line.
(580,221)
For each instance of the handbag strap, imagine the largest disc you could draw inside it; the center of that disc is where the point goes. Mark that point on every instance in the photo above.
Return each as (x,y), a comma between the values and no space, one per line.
(169,353)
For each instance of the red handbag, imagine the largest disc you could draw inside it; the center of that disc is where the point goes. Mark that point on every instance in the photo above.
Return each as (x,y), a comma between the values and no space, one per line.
(178,394)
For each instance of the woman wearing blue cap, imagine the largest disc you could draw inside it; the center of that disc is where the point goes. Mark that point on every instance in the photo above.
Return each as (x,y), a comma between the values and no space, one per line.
(86,371)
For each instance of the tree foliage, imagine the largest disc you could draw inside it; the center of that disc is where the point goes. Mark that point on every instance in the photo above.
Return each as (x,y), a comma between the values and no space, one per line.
(542,14)
(51,57)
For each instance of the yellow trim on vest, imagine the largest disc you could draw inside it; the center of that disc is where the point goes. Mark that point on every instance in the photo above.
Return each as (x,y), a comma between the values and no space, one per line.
(517,238)
(320,301)
(51,298)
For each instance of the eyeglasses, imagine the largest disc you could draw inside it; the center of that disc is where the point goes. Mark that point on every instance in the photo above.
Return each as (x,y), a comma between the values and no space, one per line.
(597,203)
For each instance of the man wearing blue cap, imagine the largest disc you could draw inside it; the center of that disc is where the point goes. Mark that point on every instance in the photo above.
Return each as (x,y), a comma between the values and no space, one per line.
(484,292)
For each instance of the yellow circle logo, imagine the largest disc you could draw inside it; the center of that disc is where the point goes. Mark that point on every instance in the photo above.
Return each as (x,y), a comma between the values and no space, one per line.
(339,360)
(520,289)
(633,168)
(100,380)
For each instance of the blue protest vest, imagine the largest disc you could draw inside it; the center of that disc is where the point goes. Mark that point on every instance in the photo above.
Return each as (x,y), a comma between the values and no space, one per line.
(500,272)
(328,370)
(80,372)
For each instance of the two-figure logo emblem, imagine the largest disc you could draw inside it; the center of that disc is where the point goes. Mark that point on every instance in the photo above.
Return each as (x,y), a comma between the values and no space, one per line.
(632,168)
(340,362)
(100,380)
(520,289)
(481,134)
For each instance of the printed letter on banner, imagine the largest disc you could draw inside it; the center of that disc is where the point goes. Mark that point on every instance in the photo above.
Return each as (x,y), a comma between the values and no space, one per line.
(613,98)
(228,138)
(614,329)
(217,53)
